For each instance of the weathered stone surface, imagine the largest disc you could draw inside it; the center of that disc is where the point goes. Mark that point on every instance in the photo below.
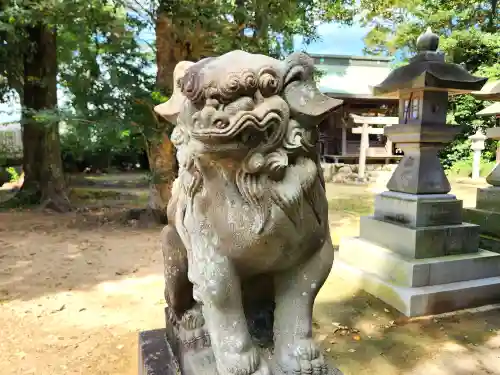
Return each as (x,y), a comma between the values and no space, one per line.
(420,171)
(155,354)
(490,243)
(488,199)
(494,177)
(415,210)
(489,221)
(423,242)
(400,271)
(248,218)
(427,300)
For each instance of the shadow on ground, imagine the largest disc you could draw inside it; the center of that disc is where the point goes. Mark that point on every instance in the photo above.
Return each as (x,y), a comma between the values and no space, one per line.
(362,335)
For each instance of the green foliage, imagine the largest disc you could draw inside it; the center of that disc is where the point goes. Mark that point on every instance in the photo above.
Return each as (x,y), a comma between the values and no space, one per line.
(463,168)
(469,34)
(13,175)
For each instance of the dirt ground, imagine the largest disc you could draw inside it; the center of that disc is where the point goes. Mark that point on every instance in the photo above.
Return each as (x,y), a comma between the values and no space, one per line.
(76,289)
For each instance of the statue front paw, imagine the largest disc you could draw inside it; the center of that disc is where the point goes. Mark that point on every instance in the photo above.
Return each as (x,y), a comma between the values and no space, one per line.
(246,363)
(192,330)
(303,358)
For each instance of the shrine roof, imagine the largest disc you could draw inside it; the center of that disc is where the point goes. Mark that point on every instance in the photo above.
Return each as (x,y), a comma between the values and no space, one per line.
(490,91)
(492,110)
(351,76)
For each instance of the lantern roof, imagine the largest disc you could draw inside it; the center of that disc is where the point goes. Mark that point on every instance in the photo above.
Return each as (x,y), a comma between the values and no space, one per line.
(429,70)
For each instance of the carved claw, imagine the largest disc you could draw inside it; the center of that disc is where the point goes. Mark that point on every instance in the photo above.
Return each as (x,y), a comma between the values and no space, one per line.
(193,319)
(247,363)
(304,359)
(192,332)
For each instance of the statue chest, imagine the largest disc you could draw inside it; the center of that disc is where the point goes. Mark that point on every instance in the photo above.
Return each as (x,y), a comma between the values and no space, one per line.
(231,228)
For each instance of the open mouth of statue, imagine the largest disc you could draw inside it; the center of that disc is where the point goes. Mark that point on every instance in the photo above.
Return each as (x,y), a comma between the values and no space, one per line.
(263,122)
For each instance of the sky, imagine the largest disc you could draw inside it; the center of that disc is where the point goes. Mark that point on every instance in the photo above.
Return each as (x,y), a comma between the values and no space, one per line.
(334,39)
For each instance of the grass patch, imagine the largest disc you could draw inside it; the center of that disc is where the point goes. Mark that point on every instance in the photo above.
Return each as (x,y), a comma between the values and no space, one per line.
(463,168)
(359,205)
(93,195)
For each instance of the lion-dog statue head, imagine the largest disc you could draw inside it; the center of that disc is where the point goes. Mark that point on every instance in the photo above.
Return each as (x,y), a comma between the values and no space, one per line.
(249,203)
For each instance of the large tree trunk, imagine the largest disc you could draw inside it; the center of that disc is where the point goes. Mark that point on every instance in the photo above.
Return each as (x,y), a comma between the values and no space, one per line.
(163,165)
(160,150)
(44,180)
(173,44)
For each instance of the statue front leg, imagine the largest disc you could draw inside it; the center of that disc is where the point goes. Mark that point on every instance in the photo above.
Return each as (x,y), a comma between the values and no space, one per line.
(217,287)
(183,313)
(296,289)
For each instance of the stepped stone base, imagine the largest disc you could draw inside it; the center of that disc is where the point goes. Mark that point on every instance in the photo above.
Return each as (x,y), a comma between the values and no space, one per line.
(488,199)
(423,242)
(489,221)
(415,210)
(427,300)
(489,243)
(400,271)
(417,255)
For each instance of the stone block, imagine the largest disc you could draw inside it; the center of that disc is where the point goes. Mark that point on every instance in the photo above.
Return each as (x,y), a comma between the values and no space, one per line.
(155,355)
(424,242)
(488,199)
(488,221)
(418,210)
(489,243)
(397,270)
(427,300)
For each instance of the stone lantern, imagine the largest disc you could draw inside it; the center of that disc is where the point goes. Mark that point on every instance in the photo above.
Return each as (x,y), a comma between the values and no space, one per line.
(477,147)
(486,214)
(415,253)
(423,87)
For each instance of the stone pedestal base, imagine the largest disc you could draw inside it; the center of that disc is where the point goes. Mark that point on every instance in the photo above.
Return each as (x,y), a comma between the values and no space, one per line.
(156,357)
(155,354)
(488,221)
(486,214)
(437,299)
(416,255)
(489,243)
(418,287)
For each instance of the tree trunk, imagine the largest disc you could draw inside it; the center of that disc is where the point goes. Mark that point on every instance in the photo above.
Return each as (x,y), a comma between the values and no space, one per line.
(44,180)
(160,150)
(175,42)
(163,166)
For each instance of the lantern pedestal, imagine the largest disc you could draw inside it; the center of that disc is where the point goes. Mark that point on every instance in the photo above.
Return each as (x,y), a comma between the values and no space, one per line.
(416,255)
(486,214)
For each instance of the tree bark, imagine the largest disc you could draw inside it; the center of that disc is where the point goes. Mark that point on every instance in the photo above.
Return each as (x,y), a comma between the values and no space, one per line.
(174,43)
(44,179)
(163,166)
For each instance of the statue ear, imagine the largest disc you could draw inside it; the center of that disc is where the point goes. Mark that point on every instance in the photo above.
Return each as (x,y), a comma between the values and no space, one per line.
(171,108)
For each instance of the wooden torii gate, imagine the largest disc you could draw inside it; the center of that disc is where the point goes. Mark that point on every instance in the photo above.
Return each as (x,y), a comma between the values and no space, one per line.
(365,129)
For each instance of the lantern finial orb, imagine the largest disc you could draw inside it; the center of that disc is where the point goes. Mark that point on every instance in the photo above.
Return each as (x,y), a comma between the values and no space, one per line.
(428,41)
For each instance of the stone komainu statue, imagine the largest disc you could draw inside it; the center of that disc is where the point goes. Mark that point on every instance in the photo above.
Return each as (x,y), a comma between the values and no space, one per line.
(247,246)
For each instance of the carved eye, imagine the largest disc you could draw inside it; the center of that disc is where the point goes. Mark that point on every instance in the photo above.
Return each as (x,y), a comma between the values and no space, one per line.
(296,73)
(219,124)
(269,83)
(220,121)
